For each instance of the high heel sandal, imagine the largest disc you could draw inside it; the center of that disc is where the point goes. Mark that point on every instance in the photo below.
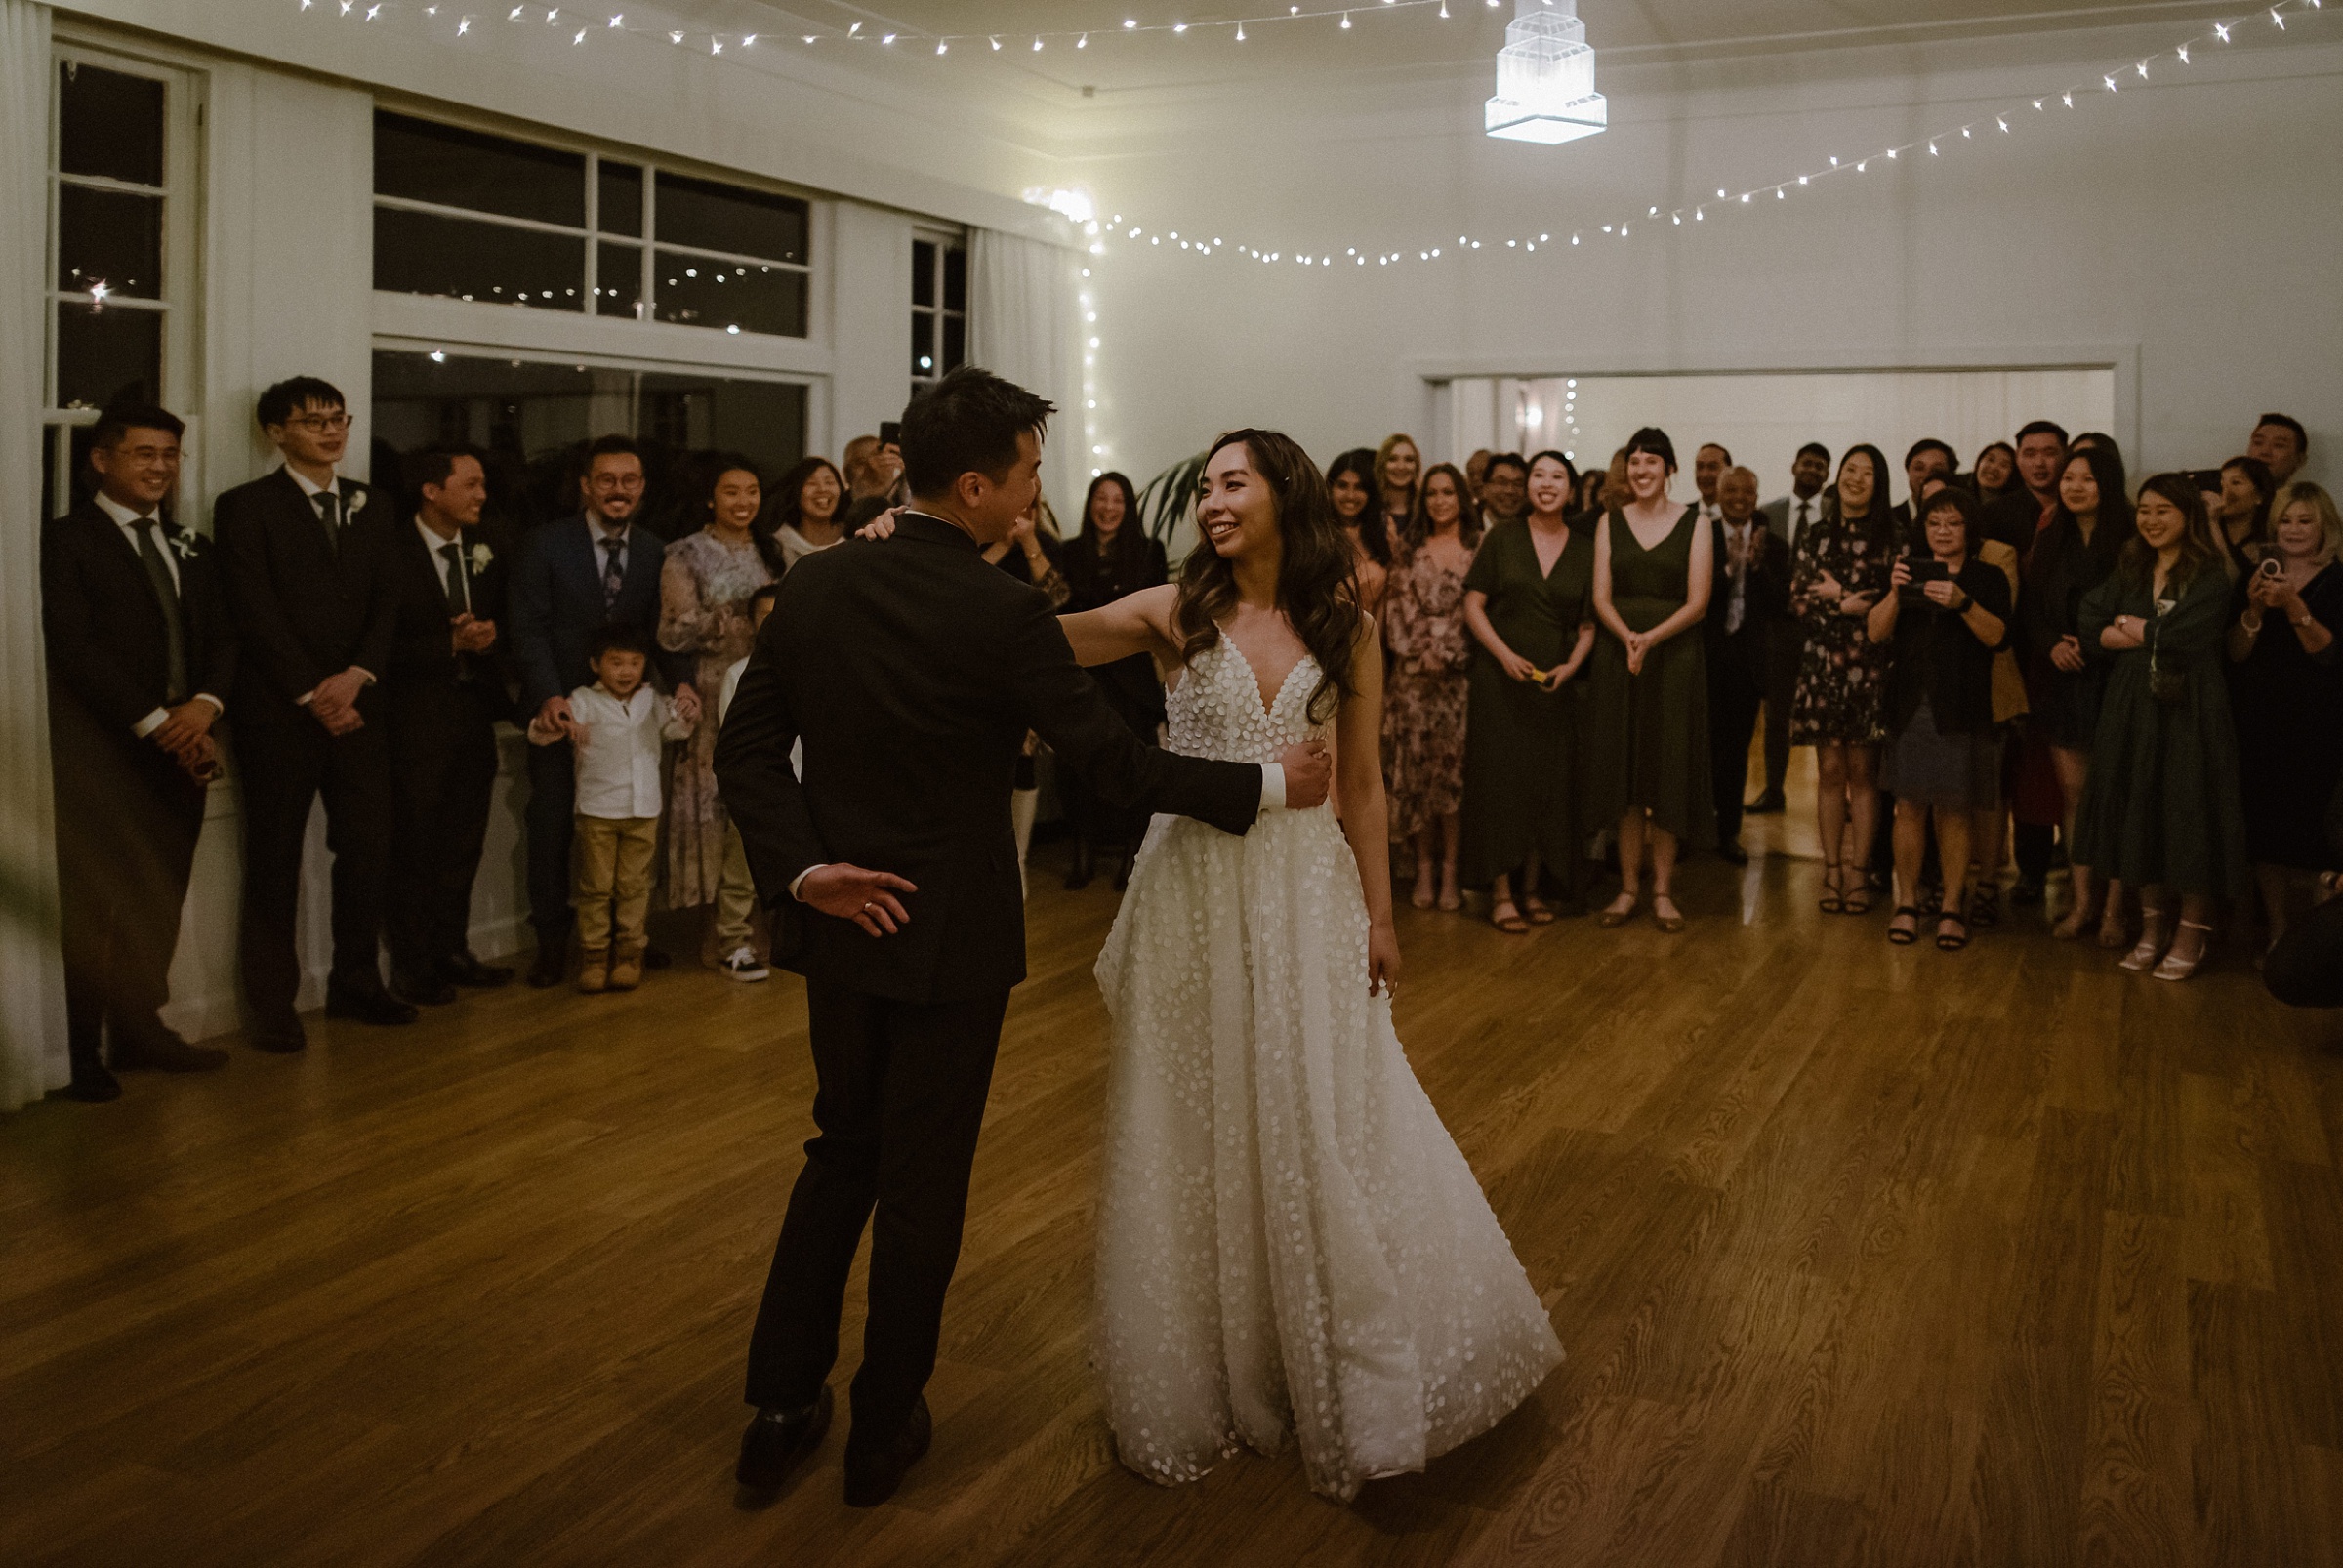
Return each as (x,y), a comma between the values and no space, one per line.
(1507,918)
(2154,938)
(1903,936)
(1833,900)
(2176,968)
(1611,916)
(1669,923)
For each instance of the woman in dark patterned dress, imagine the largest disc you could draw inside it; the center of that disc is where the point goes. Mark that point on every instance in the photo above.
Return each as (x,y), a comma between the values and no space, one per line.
(1424,701)
(1112,556)
(1842,565)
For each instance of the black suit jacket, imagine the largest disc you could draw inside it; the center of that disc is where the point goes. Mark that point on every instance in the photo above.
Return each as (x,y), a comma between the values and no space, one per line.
(556,605)
(107,643)
(1765,601)
(422,652)
(912,670)
(301,611)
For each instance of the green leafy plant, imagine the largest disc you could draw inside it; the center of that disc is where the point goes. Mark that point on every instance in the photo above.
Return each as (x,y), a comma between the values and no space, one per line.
(1167,505)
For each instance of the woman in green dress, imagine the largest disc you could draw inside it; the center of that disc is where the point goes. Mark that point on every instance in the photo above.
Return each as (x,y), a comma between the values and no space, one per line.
(1647,708)
(2161,806)
(1528,604)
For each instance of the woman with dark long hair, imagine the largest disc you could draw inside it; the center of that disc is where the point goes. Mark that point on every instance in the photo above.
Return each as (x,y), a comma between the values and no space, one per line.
(1841,566)
(1111,557)
(1350,482)
(2162,810)
(1424,708)
(1259,1105)
(805,513)
(1647,707)
(2242,520)
(1996,474)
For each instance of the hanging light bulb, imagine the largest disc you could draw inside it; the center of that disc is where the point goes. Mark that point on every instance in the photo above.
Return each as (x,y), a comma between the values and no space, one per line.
(1545,78)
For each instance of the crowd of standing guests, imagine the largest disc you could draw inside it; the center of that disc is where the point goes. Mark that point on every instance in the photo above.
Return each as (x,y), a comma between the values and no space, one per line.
(2032,655)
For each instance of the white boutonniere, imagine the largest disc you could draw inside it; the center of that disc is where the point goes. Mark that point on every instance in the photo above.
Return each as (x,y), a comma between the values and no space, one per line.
(183,544)
(482,555)
(356,504)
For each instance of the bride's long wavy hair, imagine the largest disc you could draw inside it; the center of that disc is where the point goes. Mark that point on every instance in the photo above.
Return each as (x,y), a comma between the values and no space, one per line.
(1314,580)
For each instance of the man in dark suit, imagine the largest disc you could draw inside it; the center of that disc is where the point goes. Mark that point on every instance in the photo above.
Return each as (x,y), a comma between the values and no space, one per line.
(2016,521)
(442,694)
(912,672)
(1751,593)
(1784,639)
(1930,459)
(140,655)
(315,625)
(595,569)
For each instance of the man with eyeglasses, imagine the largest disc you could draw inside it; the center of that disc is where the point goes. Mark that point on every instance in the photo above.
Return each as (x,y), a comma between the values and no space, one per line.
(140,655)
(316,622)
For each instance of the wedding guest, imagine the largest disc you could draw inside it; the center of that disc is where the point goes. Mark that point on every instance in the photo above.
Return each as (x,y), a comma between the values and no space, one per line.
(1505,488)
(1648,769)
(2241,518)
(1527,604)
(1111,558)
(1030,553)
(597,569)
(2286,693)
(1708,466)
(1398,465)
(2027,509)
(2160,809)
(1350,480)
(616,729)
(705,584)
(443,690)
(1426,700)
(736,889)
(1475,468)
(1928,459)
(1614,490)
(1996,473)
(1988,824)
(2017,520)
(805,512)
(2305,968)
(1751,596)
(1841,568)
(1946,614)
(1786,518)
(874,470)
(140,655)
(314,620)
(2280,442)
(2065,680)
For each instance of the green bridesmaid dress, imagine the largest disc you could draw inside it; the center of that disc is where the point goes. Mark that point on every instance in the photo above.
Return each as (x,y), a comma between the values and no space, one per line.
(1647,734)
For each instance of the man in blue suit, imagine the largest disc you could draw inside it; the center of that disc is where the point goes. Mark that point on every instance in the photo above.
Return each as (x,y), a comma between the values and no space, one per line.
(595,569)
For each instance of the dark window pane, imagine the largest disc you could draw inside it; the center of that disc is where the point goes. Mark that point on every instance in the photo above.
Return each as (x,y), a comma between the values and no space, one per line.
(922,273)
(110,237)
(621,197)
(956,279)
(424,253)
(110,123)
(701,292)
(707,215)
(956,341)
(618,285)
(765,420)
(425,161)
(103,354)
(922,344)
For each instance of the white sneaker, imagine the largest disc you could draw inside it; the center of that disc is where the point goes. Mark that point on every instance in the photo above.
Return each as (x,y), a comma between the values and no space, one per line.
(741,965)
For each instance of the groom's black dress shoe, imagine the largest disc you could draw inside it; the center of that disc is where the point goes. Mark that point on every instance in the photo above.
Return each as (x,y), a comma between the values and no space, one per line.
(872,1475)
(776,1442)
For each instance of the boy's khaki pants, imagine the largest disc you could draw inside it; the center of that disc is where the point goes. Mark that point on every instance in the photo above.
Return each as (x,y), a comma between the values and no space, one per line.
(611,868)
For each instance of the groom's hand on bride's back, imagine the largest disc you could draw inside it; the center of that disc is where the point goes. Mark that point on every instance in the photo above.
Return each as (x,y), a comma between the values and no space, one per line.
(1309,774)
(865,897)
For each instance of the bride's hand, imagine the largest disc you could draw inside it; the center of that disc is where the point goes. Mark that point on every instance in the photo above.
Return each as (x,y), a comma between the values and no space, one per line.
(1382,958)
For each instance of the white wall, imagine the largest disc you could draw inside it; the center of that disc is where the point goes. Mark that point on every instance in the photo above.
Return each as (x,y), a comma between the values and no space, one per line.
(2187,235)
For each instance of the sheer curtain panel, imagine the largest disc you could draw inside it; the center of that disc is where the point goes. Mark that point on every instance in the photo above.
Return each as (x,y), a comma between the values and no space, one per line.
(1025,323)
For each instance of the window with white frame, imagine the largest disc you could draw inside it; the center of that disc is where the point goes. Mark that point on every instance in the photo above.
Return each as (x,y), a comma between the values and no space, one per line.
(122,243)
(469,215)
(939,307)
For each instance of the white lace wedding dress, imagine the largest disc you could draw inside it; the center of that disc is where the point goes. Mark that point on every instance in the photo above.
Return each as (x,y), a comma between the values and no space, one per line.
(1287,1237)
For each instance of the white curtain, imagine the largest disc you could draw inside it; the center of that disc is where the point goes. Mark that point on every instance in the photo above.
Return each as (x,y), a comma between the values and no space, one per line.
(1025,323)
(32,987)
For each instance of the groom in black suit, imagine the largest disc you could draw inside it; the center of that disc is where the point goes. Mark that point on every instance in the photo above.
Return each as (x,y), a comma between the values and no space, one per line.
(141,659)
(912,672)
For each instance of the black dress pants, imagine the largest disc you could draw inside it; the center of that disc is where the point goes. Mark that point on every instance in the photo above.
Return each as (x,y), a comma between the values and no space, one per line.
(1784,646)
(286,764)
(1736,691)
(126,831)
(900,1097)
(443,764)
(2305,969)
(553,810)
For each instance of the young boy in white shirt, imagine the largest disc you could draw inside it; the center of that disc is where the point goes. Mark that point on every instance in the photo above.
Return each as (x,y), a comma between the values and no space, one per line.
(616,728)
(735,891)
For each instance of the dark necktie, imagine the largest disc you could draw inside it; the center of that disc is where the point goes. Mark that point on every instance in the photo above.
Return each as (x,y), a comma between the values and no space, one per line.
(614,570)
(329,515)
(175,630)
(459,603)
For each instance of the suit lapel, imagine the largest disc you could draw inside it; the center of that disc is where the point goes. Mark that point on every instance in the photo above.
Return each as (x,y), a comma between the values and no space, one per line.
(126,559)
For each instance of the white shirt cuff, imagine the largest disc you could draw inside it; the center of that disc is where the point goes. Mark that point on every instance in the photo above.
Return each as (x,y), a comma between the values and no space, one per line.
(799,881)
(1273,787)
(217,706)
(150,724)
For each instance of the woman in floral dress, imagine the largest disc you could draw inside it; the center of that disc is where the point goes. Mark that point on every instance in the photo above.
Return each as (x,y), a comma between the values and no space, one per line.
(1426,698)
(703,596)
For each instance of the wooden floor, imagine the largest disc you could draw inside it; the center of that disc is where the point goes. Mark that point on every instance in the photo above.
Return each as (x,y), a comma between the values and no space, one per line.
(1859,1255)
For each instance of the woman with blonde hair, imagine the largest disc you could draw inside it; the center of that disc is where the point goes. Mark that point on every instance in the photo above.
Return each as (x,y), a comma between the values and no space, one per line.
(1398,473)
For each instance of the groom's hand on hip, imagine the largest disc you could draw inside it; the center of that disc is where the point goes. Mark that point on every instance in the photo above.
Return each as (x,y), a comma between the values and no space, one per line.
(865,897)
(1309,773)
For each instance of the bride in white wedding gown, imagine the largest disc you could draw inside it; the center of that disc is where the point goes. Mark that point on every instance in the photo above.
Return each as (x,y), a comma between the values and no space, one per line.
(1289,1240)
